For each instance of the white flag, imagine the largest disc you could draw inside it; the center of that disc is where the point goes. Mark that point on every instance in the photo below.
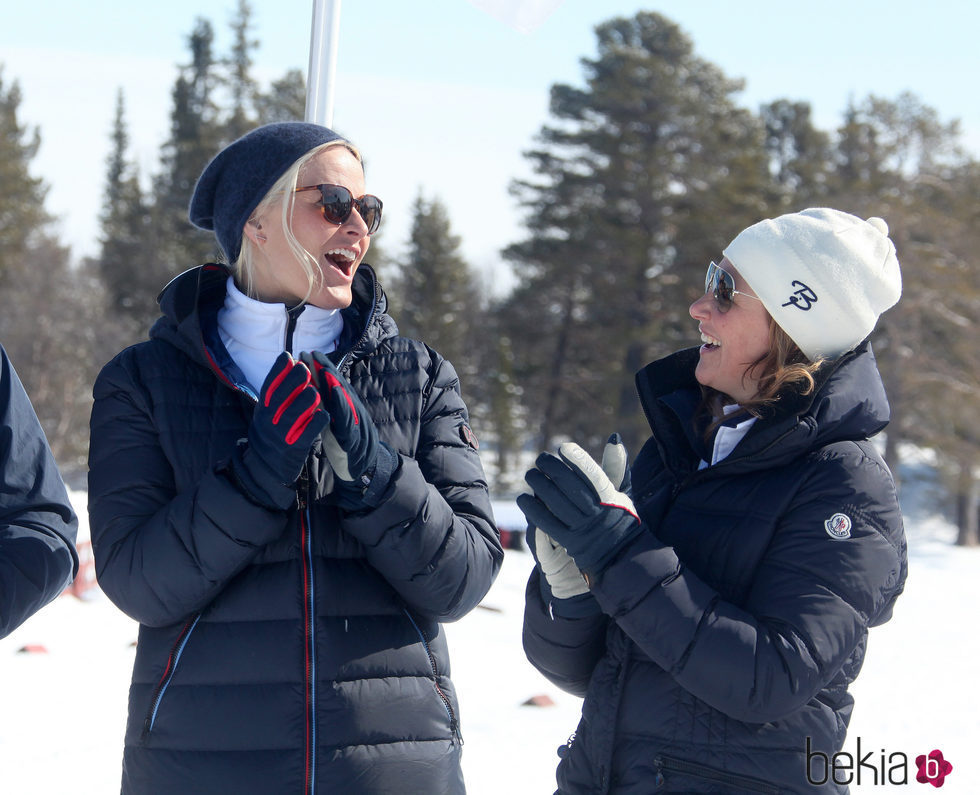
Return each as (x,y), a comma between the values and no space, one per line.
(522,15)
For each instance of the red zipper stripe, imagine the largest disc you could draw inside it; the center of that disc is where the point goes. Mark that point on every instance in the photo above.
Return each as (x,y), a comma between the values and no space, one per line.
(173,651)
(306,648)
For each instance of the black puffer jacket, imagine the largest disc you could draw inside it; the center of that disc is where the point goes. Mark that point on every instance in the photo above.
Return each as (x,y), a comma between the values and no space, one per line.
(724,638)
(296,651)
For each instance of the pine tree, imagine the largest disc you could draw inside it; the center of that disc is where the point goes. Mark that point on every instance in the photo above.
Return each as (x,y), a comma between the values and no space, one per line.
(284,101)
(49,318)
(641,179)
(499,408)
(125,220)
(435,291)
(241,84)
(436,298)
(22,196)
(801,156)
(146,237)
(195,136)
(898,160)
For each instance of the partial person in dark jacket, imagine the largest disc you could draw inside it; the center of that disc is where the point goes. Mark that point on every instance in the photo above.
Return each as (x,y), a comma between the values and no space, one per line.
(714,616)
(286,495)
(38,527)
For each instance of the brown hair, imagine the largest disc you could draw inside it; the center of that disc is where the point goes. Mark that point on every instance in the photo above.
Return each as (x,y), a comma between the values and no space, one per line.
(782,370)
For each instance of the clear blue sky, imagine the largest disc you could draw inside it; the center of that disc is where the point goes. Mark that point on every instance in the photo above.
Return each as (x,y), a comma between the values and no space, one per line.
(441,96)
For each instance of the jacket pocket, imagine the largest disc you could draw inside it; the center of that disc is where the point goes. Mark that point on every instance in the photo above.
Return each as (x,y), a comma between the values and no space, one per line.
(679,775)
(168,674)
(446,703)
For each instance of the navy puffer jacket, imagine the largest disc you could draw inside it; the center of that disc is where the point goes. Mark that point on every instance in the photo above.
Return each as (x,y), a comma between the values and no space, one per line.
(294,651)
(723,639)
(37,524)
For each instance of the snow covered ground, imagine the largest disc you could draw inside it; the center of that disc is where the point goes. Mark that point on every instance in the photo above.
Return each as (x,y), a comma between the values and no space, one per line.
(62,712)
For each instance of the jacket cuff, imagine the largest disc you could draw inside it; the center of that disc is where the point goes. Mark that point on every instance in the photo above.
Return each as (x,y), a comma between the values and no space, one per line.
(384,468)
(359,497)
(264,491)
(581,605)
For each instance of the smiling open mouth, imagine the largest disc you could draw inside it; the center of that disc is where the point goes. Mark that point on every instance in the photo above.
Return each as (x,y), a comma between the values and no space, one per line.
(709,342)
(342,259)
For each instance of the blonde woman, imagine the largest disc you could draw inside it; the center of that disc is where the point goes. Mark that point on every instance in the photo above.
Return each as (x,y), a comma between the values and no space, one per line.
(286,495)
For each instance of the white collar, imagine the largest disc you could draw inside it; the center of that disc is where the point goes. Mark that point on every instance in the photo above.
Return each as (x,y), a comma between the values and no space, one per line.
(256,332)
(727,437)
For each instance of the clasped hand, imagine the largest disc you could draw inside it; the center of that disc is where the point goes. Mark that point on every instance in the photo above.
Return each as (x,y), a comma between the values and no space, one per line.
(288,418)
(362,464)
(577,505)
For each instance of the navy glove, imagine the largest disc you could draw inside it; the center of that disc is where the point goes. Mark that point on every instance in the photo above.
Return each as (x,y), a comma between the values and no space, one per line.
(287,420)
(362,463)
(562,578)
(577,505)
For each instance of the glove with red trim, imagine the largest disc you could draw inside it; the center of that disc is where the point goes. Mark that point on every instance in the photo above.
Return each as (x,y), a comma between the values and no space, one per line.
(361,462)
(287,420)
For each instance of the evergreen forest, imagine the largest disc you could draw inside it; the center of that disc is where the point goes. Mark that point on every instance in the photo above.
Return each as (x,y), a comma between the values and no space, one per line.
(642,174)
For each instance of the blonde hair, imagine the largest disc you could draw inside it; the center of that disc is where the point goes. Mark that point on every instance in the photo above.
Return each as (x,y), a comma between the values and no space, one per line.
(284,190)
(782,370)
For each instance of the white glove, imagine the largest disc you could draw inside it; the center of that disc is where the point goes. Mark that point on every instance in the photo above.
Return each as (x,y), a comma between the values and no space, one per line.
(563,576)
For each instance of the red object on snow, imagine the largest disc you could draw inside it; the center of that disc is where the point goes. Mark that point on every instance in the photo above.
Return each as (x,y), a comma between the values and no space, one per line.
(539,701)
(32,648)
(84,582)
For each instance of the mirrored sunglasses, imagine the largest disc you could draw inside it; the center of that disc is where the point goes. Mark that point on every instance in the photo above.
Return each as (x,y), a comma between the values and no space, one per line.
(721,284)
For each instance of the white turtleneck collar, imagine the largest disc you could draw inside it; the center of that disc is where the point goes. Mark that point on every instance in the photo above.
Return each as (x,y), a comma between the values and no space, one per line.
(255,333)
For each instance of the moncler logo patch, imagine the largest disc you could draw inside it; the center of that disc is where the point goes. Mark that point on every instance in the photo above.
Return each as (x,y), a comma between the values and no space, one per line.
(838,526)
(803,298)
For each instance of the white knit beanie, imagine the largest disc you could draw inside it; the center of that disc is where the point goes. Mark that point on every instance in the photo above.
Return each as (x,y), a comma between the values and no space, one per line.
(825,276)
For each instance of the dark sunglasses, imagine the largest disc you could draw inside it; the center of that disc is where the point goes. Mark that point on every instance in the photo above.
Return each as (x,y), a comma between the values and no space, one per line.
(721,284)
(337,203)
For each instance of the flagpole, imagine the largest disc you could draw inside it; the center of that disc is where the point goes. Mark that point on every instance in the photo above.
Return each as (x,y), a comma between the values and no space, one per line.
(324,39)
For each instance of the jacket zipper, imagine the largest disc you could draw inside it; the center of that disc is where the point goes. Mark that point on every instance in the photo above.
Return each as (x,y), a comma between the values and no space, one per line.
(309,639)
(453,722)
(364,334)
(168,673)
(292,315)
(309,590)
(711,774)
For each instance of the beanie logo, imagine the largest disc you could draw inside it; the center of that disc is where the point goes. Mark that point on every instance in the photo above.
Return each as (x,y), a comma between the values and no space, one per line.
(804,294)
(838,526)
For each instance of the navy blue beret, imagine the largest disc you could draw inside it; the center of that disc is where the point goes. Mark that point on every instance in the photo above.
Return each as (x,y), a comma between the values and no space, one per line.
(241,174)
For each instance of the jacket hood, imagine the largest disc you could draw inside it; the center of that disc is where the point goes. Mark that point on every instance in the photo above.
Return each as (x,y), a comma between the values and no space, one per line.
(848,403)
(197,294)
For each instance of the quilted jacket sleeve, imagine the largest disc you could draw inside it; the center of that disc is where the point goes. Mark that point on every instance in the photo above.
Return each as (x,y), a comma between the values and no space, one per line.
(564,650)
(37,523)
(160,555)
(433,535)
(813,598)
